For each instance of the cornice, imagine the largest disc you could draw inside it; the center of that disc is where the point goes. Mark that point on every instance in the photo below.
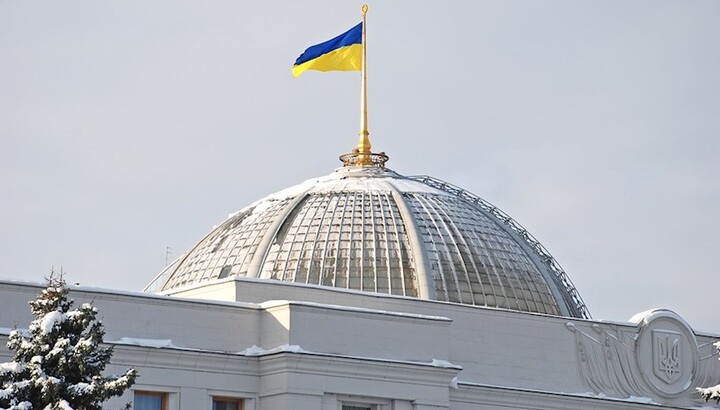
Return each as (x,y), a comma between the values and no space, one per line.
(185,359)
(358,368)
(538,399)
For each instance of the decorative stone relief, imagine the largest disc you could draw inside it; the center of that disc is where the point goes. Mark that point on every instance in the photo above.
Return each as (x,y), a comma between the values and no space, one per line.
(709,368)
(660,358)
(667,360)
(667,352)
(607,361)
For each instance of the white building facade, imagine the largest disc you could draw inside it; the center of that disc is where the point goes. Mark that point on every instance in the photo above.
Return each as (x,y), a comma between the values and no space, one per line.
(366,289)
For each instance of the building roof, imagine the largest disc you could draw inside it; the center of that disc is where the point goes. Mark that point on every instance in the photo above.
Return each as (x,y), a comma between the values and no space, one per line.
(371,229)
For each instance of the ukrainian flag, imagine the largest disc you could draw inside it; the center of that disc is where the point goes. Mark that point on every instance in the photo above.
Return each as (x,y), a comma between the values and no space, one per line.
(342,53)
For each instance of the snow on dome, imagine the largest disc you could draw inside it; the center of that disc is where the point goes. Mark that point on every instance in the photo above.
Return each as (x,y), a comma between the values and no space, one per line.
(373,230)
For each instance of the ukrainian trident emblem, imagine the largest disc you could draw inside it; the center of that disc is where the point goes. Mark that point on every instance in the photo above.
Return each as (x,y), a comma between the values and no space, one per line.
(666,355)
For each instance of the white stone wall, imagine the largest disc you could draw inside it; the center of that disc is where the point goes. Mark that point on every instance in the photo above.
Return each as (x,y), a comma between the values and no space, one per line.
(327,348)
(525,351)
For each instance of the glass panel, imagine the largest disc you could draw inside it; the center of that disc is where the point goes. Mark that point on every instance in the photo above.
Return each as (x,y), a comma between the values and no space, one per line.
(354,240)
(474,260)
(227,404)
(145,401)
(228,249)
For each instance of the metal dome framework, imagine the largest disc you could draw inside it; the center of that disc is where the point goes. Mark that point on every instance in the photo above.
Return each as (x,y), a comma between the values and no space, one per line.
(370,229)
(578,306)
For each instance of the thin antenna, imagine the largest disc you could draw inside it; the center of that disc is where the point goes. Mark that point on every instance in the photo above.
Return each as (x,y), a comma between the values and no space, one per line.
(168,252)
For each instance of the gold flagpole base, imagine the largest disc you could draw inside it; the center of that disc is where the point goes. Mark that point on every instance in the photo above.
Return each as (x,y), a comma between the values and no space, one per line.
(370,159)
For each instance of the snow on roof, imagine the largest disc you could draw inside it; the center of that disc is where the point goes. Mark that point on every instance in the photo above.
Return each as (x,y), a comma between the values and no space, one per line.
(255,350)
(156,343)
(135,294)
(589,395)
(275,303)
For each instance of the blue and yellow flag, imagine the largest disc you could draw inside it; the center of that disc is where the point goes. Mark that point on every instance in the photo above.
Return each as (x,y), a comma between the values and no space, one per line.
(342,53)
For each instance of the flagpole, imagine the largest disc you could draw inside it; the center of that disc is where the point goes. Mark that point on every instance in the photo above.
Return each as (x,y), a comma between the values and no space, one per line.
(364,157)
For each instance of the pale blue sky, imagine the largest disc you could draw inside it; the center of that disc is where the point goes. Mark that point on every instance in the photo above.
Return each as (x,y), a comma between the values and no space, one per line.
(128,126)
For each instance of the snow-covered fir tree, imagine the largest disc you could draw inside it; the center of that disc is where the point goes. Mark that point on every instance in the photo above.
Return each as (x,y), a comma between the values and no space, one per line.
(58,363)
(711,393)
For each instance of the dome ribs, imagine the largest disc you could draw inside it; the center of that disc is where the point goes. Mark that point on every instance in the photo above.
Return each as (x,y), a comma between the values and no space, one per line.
(449,225)
(426,223)
(420,273)
(566,292)
(352,283)
(392,289)
(304,271)
(374,257)
(370,229)
(368,244)
(343,239)
(462,288)
(256,266)
(455,234)
(285,246)
(327,275)
(338,247)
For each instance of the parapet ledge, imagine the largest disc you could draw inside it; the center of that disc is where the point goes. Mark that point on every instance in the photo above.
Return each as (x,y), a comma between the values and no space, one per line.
(329,308)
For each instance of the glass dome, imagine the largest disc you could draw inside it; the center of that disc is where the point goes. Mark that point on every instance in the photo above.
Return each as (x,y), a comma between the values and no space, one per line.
(371,229)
